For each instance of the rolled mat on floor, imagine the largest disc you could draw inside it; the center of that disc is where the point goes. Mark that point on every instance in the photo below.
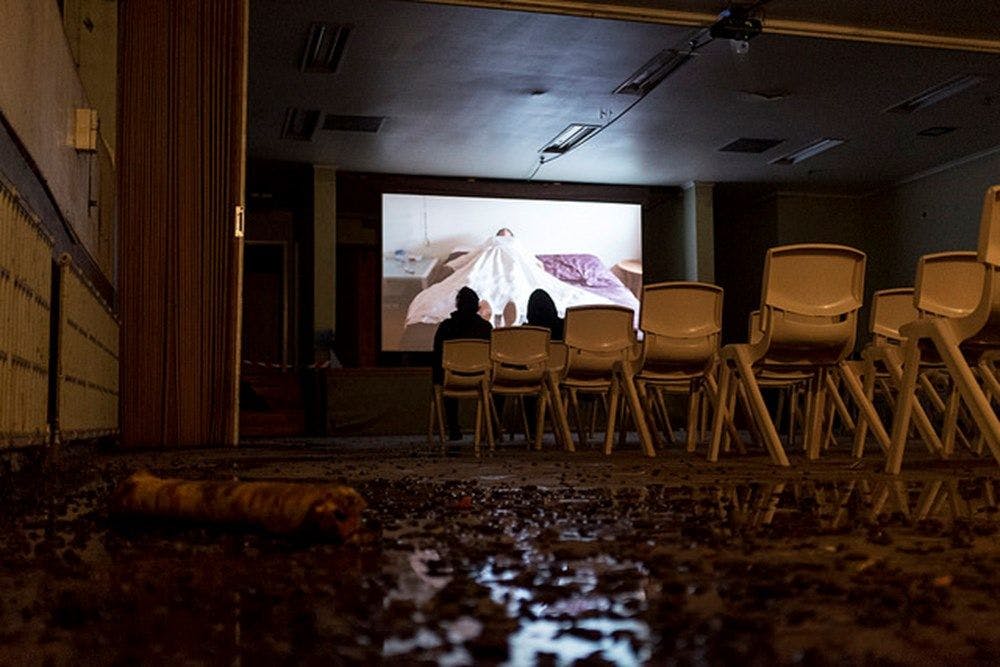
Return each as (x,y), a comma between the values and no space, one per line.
(284,508)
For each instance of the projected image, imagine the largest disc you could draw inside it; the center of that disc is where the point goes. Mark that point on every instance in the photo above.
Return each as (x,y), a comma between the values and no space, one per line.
(580,253)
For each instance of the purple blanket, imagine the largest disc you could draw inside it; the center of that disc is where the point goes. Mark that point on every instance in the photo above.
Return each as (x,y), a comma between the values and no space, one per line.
(587,272)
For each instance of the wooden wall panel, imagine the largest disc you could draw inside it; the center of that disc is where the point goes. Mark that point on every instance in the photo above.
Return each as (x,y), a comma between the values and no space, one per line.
(182,113)
(88,335)
(25,309)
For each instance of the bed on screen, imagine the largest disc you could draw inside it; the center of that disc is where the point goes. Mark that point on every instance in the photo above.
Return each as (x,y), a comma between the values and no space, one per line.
(575,270)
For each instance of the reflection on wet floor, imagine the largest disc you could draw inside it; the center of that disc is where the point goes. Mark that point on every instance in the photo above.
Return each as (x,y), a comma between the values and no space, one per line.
(517,566)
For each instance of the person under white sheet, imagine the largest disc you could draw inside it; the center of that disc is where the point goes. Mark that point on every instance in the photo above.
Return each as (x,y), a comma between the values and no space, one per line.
(500,271)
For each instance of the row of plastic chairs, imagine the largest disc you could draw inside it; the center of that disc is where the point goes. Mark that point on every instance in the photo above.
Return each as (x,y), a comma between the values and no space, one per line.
(942,335)
(944,332)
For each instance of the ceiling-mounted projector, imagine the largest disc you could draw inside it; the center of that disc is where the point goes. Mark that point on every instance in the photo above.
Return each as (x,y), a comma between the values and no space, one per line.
(736,23)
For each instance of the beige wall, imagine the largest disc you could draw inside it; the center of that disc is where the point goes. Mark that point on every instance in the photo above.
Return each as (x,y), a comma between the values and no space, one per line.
(39,91)
(939,210)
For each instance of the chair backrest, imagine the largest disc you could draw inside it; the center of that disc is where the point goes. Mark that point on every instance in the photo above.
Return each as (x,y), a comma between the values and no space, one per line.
(519,354)
(810,301)
(949,284)
(891,309)
(989,228)
(681,323)
(982,326)
(557,356)
(465,361)
(597,337)
(681,309)
(814,279)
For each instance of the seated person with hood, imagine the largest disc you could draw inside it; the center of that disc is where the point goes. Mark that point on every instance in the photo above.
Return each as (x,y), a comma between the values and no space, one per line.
(464,322)
(542,312)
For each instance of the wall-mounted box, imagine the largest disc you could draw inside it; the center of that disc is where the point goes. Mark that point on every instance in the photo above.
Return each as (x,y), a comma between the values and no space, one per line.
(85,131)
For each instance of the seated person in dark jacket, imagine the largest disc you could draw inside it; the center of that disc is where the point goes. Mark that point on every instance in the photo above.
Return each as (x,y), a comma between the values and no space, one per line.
(464,322)
(542,313)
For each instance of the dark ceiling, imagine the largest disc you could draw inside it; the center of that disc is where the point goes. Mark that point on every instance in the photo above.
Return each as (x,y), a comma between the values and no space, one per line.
(477,92)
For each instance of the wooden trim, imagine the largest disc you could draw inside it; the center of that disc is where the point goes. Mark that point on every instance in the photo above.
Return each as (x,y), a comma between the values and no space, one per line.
(771,25)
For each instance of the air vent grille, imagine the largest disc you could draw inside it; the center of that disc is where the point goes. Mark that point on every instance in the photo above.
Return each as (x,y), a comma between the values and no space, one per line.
(339,123)
(750,145)
(324,47)
(936,131)
(300,124)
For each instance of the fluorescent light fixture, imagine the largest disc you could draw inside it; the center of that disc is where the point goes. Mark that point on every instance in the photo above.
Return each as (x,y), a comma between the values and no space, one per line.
(324,47)
(936,94)
(570,138)
(658,68)
(806,152)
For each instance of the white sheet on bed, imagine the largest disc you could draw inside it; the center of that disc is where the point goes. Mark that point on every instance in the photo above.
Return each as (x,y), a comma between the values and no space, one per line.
(500,270)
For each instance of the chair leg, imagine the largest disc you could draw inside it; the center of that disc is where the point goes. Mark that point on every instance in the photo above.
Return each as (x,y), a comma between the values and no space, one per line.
(668,427)
(488,415)
(694,402)
(638,416)
(725,377)
(863,397)
(439,408)
(915,411)
(524,418)
(976,401)
(814,418)
(833,391)
(651,399)
(609,427)
(479,425)
(905,400)
(575,401)
(759,407)
(932,393)
(950,424)
(559,419)
(543,399)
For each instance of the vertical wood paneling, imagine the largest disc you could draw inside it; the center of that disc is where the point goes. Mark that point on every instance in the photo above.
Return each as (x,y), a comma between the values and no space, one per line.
(25,309)
(88,359)
(181,176)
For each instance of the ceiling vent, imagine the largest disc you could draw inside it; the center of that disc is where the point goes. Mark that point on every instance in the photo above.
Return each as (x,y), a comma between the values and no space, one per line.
(806,152)
(936,131)
(570,138)
(750,145)
(658,68)
(339,123)
(324,47)
(300,124)
(936,94)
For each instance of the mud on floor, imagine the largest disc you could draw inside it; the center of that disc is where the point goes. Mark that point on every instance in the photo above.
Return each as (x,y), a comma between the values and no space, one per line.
(516,558)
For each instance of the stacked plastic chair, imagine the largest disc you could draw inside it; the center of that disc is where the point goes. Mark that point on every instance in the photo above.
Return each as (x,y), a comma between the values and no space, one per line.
(600,343)
(962,343)
(466,364)
(519,359)
(810,300)
(681,324)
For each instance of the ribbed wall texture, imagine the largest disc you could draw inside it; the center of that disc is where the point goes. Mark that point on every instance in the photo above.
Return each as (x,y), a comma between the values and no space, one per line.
(25,298)
(182,79)
(88,359)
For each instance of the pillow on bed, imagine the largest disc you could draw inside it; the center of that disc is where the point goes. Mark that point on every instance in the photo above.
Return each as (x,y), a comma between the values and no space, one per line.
(579,269)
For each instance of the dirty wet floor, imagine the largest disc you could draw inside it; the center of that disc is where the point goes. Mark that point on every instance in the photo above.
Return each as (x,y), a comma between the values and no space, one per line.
(517,558)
